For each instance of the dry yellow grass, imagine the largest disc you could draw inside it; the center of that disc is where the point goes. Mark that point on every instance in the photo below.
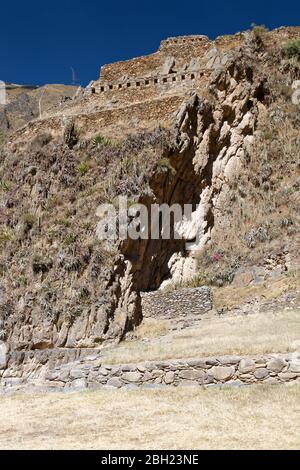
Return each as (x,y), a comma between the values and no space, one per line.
(260,417)
(231,296)
(249,334)
(152,328)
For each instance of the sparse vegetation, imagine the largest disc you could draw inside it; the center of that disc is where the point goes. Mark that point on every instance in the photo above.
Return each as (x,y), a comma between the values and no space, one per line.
(70,239)
(132,162)
(3,335)
(29,220)
(83,168)
(41,264)
(259,30)
(244,335)
(64,221)
(164,165)
(5,237)
(264,200)
(232,296)
(101,140)
(292,49)
(198,280)
(4,186)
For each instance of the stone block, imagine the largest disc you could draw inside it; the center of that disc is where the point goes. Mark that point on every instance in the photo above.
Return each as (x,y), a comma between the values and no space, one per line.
(114,382)
(191,374)
(246,366)
(276,364)
(154,386)
(272,381)
(132,376)
(234,383)
(200,363)
(208,379)
(147,376)
(294,366)
(288,375)
(169,377)
(222,374)
(229,360)
(78,384)
(261,373)
(77,374)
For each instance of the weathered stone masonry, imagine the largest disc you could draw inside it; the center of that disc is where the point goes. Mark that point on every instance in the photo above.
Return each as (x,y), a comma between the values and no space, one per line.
(174,54)
(177,303)
(90,372)
(146,82)
(175,67)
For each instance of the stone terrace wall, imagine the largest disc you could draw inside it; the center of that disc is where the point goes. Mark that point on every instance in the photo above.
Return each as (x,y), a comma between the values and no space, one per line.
(146,89)
(182,48)
(132,68)
(174,79)
(185,46)
(177,67)
(91,372)
(138,116)
(115,120)
(177,303)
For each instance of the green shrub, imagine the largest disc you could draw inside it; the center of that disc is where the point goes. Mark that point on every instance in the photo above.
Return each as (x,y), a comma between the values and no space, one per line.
(101,140)
(70,239)
(64,221)
(82,168)
(226,36)
(23,281)
(198,280)
(292,49)
(5,237)
(164,165)
(259,30)
(87,225)
(3,335)
(4,186)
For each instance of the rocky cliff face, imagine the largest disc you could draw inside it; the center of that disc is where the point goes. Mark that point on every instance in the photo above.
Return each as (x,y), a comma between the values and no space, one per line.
(231,150)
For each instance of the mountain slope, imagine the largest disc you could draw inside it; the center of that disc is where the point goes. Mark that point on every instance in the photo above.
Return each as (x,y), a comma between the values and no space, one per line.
(227,143)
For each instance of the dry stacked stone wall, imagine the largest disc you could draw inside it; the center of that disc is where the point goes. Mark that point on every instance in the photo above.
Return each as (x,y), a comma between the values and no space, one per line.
(178,303)
(89,371)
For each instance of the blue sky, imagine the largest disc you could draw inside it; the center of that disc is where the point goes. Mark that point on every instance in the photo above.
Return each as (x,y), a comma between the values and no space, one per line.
(41,41)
